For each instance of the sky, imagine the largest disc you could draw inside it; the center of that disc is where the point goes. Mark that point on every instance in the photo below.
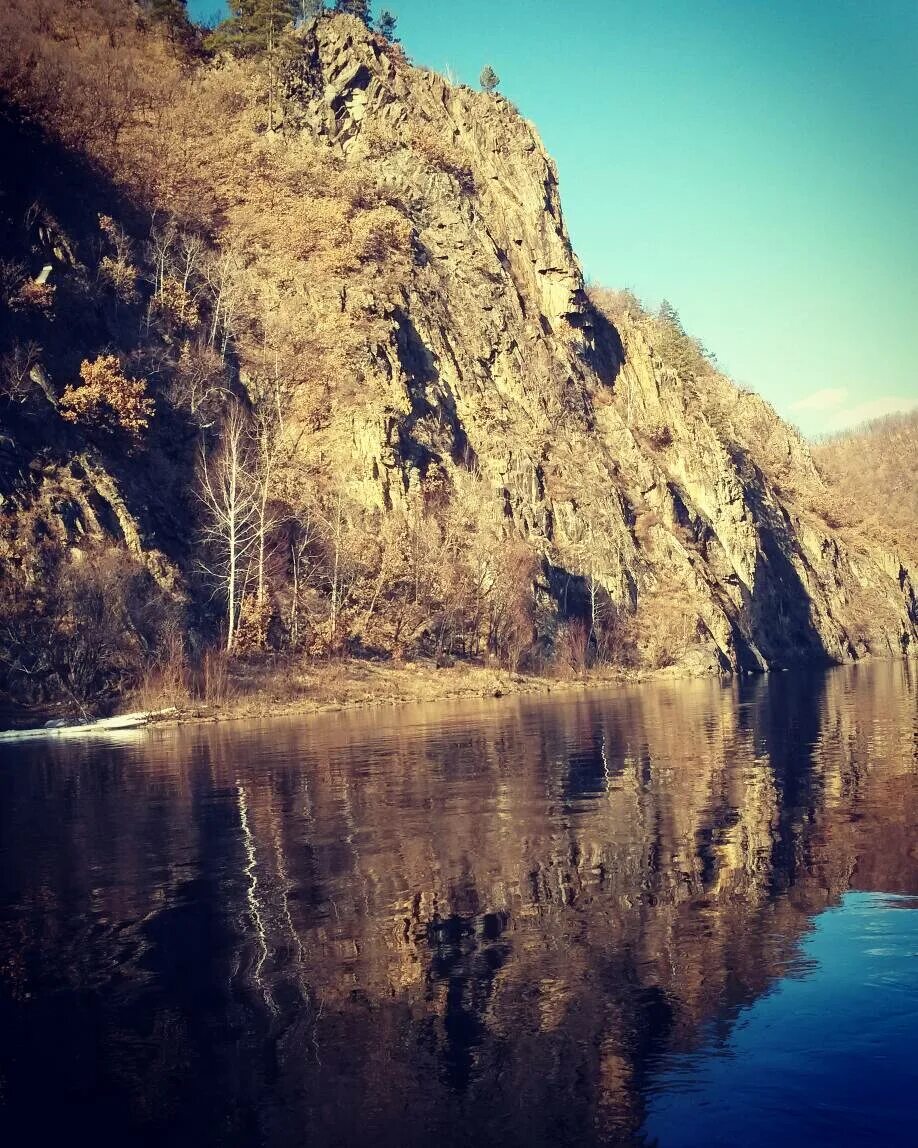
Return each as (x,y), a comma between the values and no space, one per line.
(756,163)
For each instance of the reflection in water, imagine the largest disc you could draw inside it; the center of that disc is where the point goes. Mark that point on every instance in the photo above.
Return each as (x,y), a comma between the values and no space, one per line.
(859,1089)
(504,923)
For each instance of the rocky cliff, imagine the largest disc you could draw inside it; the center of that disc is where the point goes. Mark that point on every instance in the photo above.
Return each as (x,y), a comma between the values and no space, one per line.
(613,467)
(441,358)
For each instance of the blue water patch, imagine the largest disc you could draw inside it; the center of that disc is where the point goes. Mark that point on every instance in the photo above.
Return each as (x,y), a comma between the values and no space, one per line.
(829,1057)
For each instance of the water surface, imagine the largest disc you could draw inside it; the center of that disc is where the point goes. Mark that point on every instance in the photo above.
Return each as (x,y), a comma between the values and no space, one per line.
(679,914)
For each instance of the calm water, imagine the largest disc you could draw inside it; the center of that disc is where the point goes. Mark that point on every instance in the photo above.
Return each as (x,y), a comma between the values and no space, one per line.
(681,914)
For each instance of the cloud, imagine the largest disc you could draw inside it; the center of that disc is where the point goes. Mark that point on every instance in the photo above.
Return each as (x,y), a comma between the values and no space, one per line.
(871,409)
(834,409)
(824,400)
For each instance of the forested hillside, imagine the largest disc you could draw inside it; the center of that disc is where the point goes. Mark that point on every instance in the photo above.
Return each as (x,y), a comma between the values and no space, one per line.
(297,362)
(874,472)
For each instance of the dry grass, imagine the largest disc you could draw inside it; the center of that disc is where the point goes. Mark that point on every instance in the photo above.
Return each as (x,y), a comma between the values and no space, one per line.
(265,689)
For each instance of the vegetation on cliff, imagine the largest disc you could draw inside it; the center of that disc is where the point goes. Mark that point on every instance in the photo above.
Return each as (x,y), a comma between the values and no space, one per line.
(873,470)
(297,361)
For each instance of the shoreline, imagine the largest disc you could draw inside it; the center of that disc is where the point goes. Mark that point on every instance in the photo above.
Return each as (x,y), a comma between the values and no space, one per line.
(262,692)
(355,685)
(352,684)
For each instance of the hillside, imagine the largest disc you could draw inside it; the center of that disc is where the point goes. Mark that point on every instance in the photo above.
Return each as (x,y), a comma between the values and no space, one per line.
(314,370)
(873,472)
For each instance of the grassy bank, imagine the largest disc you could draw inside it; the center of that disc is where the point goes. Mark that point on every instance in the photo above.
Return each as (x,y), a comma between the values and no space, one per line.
(262,690)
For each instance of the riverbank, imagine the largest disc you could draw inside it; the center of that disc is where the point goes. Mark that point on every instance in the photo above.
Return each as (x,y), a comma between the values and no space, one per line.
(230,690)
(226,689)
(263,691)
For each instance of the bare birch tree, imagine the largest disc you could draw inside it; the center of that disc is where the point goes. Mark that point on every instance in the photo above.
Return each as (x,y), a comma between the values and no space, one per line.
(228,490)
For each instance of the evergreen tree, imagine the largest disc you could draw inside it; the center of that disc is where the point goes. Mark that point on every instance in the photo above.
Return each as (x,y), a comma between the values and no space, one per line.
(670,316)
(358,8)
(173,15)
(253,26)
(488,79)
(385,26)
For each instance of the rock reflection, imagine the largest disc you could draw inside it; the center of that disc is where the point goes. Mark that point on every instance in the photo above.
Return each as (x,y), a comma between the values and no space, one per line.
(474,923)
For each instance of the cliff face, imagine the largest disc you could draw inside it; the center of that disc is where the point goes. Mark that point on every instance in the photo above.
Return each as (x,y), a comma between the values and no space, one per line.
(700,509)
(392,246)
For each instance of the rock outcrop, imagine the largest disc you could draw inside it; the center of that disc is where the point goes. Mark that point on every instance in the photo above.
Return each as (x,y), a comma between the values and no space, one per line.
(405,237)
(701,510)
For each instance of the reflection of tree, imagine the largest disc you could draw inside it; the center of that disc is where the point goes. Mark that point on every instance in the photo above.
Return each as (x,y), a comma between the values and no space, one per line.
(356,926)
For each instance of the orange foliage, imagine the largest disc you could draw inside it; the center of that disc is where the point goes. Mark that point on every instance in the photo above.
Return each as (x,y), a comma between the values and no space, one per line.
(107,400)
(33,296)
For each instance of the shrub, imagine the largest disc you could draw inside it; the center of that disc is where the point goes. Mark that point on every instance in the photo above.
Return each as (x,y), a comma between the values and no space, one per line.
(572,646)
(428,143)
(107,401)
(33,296)
(255,616)
(659,437)
(176,304)
(88,636)
(120,276)
(198,382)
(16,371)
(12,276)
(380,233)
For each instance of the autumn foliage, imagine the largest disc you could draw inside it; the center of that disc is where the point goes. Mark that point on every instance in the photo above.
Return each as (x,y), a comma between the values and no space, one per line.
(107,400)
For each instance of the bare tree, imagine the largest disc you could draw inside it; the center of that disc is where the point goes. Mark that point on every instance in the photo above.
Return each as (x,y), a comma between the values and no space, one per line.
(303,568)
(221,274)
(198,382)
(336,538)
(229,492)
(266,390)
(16,370)
(163,237)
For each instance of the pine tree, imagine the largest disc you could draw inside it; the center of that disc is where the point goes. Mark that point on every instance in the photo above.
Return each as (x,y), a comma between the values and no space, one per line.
(670,316)
(489,79)
(253,26)
(385,26)
(173,15)
(358,8)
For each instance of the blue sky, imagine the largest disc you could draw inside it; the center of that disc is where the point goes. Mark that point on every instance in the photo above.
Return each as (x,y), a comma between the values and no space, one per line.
(755,163)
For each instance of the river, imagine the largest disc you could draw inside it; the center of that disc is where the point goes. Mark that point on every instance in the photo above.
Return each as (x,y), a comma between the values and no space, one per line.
(675,914)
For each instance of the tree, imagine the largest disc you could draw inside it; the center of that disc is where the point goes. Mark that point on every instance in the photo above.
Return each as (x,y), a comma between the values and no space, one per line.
(358,8)
(670,316)
(308,10)
(385,26)
(253,26)
(18,371)
(489,79)
(108,401)
(173,15)
(228,490)
(680,352)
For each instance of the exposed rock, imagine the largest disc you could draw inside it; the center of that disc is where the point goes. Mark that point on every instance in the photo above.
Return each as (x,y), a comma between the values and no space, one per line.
(683,501)
(604,460)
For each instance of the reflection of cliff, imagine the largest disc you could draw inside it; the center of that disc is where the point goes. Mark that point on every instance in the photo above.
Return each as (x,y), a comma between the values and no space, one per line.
(382,927)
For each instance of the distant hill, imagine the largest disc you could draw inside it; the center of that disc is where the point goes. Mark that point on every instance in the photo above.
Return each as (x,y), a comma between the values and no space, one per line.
(873,471)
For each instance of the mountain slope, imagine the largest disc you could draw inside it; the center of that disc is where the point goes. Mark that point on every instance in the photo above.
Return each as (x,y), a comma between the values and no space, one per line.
(608,463)
(452,446)
(872,470)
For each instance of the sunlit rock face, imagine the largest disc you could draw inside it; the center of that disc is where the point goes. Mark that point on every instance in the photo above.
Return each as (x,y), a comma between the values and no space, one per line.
(401,241)
(601,457)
